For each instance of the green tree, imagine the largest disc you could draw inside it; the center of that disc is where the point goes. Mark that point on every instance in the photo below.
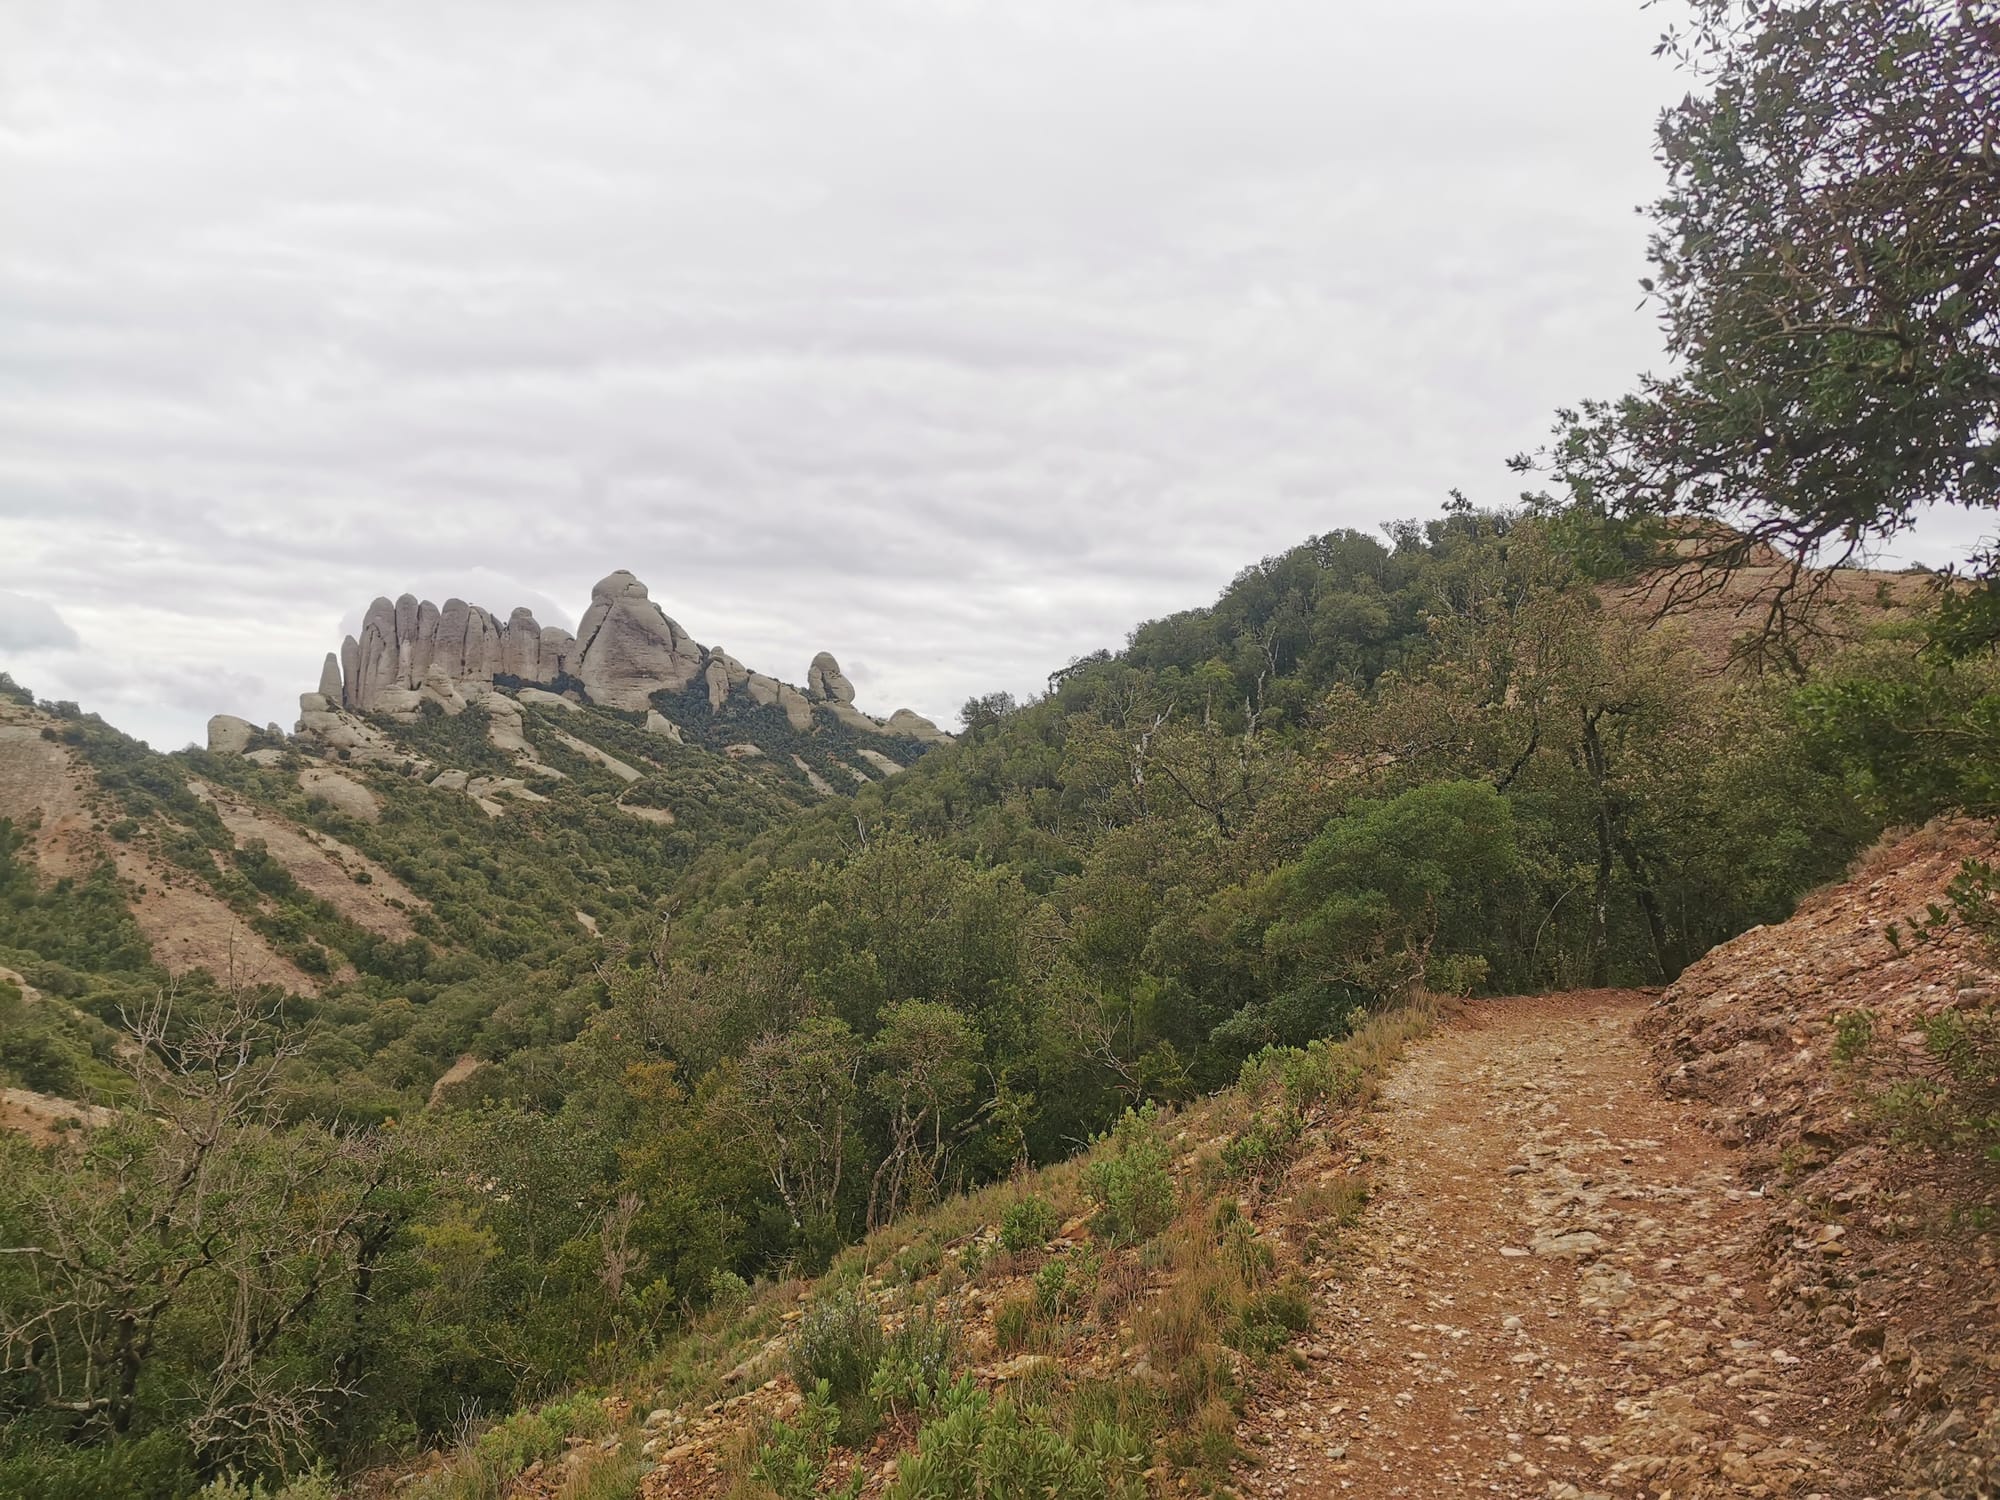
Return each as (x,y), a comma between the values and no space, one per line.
(795,1096)
(924,1063)
(1827,270)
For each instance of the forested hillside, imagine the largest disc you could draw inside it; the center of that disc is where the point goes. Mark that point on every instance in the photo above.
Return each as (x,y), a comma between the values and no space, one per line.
(589,1071)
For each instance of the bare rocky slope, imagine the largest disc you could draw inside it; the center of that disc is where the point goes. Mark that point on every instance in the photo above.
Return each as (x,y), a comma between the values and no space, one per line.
(1804,1045)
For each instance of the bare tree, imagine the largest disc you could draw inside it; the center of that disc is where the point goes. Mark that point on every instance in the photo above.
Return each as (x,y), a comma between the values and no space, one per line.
(192,1220)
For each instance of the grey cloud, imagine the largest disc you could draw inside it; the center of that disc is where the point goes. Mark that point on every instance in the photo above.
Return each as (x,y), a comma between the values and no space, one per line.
(955,340)
(30,625)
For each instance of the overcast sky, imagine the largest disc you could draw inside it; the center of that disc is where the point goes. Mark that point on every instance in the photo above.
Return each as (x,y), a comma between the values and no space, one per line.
(953,337)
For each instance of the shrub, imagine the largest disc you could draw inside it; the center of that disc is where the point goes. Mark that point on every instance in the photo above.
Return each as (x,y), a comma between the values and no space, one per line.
(1065,1284)
(1121,1284)
(315,1484)
(530,1435)
(791,1459)
(1131,1183)
(914,1262)
(1269,1319)
(839,1343)
(1853,1034)
(1321,1072)
(726,1289)
(1029,1224)
(1265,1145)
(916,1366)
(993,1450)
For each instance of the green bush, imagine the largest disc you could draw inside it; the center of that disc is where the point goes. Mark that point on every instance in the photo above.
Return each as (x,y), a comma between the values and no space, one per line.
(916,1366)
(839,1344)
(157,1466)
(1853,1034)
(1265,1145)
(1269,1319)
(995,1451)
(528,1436)
(914,1262)
(1130,1183)
(1029,1223)
(791,1460)
(316,1483)
(1066,1284)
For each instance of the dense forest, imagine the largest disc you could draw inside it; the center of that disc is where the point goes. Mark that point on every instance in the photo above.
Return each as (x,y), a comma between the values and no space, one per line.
(619,1070)
(1434,760)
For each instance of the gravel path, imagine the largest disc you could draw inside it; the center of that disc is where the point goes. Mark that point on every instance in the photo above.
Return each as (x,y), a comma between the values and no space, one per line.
(1553,1292)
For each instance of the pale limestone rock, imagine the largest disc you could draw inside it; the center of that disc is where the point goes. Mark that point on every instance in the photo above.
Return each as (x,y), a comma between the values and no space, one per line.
(879,761)
(267,757)
(329,679)
(486,787)
(916,726)
(658,723)
(658,815)
(424,650)
(350,673)
(542,698)
(480,642)
(453,620)
(378,654)
(813,779)
(558,652)
(735,672)
(826,683)
(851,716)
(521,647)
(406,632)
(763,690)
(451,781)
(399,703)
(229,735)
(335,730)
(503,726)
(796,708)
(342,792)
(441,690)
(603,758)
(628,649)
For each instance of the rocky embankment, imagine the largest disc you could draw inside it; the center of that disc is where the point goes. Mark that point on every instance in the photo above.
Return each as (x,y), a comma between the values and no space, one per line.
(1805,1045)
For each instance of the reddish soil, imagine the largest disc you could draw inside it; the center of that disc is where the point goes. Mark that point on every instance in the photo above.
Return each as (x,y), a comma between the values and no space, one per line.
(1556,1290)
(44,786)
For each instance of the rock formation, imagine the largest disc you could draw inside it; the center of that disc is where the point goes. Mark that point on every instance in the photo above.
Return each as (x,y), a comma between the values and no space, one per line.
(412,652)
(627,649)
(229,735)
(826,683)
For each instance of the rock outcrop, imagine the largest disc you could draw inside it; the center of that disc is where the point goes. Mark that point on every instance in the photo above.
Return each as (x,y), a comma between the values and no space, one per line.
(412,650)
(826,683)
(627,649)
(229,735)
(412,654)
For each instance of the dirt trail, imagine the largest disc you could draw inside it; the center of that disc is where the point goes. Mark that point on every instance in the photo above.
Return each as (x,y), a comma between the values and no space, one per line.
(1553,1292)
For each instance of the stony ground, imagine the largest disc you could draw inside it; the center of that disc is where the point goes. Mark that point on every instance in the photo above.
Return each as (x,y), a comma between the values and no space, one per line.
(1554,1293)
